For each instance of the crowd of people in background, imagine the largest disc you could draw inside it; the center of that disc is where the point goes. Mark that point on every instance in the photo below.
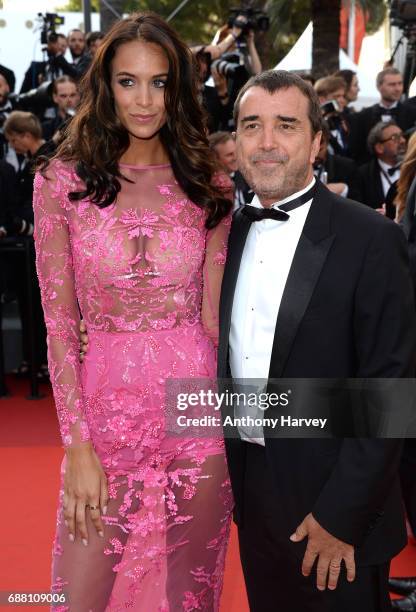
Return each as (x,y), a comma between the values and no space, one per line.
(362,154)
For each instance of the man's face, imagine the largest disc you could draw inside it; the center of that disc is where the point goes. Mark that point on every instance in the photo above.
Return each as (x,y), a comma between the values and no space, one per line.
(275,145)
(353,91)
(94,45)
(4,90)
(66,97)
(339,96)
(19,142)
(63,44)
(393,145)
(391,88)
(76,43)
(226,153)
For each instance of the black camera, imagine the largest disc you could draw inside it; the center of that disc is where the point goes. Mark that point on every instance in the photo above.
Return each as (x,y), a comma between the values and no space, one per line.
(330,107)
(49,23)
(257,20)
(229,65)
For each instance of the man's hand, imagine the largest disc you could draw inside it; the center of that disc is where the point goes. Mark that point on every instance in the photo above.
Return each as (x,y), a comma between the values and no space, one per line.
(328,550)
(382,210)
(337,188)
(83,341)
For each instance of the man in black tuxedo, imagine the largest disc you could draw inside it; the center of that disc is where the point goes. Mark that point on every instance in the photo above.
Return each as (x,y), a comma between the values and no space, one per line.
(379,176)
(390,85)
(321,290)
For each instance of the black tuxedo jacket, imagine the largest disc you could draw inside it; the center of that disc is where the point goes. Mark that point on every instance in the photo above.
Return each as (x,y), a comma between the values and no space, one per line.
(361,123)
(347,311)
(371,188)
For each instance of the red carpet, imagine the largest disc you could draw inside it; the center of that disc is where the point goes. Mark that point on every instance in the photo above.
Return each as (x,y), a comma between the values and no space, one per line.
(29,468)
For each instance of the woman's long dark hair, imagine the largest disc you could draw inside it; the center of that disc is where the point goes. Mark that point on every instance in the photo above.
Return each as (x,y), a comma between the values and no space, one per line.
(95,139)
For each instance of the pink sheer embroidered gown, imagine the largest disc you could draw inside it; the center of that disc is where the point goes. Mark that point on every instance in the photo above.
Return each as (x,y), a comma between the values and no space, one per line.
(145,274)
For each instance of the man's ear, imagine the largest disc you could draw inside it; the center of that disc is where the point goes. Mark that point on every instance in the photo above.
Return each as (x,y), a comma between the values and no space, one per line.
(233,134)
(316,145)
(379,148)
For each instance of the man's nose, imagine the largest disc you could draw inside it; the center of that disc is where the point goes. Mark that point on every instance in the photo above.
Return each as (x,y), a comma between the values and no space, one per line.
(268,139)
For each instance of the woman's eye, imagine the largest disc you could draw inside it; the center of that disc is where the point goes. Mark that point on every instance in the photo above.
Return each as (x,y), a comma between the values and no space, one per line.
(159,83)
(126,82)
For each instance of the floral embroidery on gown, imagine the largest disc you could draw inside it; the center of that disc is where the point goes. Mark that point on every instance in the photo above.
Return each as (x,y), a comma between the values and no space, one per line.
(145,274)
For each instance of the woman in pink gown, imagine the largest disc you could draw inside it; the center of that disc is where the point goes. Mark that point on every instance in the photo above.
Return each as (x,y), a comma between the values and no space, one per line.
(131,233)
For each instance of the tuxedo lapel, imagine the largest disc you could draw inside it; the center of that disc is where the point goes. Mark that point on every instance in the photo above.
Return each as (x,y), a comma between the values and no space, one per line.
(309,258)
(377,182)
(238,234)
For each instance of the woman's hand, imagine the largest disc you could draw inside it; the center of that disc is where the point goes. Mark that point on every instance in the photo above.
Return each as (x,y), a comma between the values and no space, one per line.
(83,340)
(85,490)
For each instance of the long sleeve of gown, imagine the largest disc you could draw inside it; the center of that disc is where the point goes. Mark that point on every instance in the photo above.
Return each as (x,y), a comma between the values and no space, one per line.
(216,252)
(57,284)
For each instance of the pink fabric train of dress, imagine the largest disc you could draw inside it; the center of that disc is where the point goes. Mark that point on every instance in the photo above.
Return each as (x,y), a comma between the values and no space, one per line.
(145,274)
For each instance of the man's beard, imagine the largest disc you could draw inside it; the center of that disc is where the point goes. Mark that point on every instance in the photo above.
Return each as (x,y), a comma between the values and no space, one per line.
(282,183)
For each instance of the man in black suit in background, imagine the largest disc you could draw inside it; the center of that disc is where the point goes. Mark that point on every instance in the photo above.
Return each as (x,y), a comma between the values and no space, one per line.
(379,176)
(337,172)
(319,288)
(390,85)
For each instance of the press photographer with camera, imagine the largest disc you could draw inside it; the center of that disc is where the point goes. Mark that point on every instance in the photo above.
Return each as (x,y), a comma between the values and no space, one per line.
(54,65)
(331,91)
(230,60)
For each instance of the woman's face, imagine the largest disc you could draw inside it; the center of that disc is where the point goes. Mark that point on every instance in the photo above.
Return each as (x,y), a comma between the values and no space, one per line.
(352,93)
(139,72)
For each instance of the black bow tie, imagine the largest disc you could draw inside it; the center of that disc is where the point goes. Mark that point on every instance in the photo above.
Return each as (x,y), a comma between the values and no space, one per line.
(393,170)
(277,214)
(387,111)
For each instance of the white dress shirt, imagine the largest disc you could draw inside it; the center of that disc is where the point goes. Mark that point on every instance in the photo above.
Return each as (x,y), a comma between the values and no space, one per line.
(387,180)
(265,263)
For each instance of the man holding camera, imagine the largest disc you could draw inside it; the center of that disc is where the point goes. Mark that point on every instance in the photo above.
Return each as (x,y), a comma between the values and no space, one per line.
(50,69)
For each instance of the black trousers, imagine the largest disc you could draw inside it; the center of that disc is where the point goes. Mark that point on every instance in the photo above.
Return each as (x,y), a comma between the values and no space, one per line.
(272,570)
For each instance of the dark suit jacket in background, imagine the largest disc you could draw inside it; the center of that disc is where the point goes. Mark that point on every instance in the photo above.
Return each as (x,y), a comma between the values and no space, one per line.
(372,188)
(343,170)
(361,123)
(347,311)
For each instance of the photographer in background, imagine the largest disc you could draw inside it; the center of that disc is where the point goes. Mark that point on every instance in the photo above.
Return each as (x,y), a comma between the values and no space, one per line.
(76,44)
(51,68)
(331,92)
(223,145)
(338,173)
(66,98)
(93,41)
(225,66)
(387,145)
(24,133)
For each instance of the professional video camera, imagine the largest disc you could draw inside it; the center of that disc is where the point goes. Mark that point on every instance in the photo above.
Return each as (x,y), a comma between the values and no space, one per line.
(403,16)
(256,20)
(49,22)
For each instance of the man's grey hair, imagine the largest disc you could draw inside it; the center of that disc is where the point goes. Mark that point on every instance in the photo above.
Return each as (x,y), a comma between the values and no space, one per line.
(376,134)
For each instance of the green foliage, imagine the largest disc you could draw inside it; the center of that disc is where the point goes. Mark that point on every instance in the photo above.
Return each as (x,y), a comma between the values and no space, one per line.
(76,6)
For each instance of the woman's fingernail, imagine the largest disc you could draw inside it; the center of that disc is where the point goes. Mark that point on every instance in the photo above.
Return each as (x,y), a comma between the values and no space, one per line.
(71,537)
(105,510)
(66,523)
(101,534)
(84,541)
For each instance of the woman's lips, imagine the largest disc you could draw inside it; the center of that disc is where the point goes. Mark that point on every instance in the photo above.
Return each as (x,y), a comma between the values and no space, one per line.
(143,118)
